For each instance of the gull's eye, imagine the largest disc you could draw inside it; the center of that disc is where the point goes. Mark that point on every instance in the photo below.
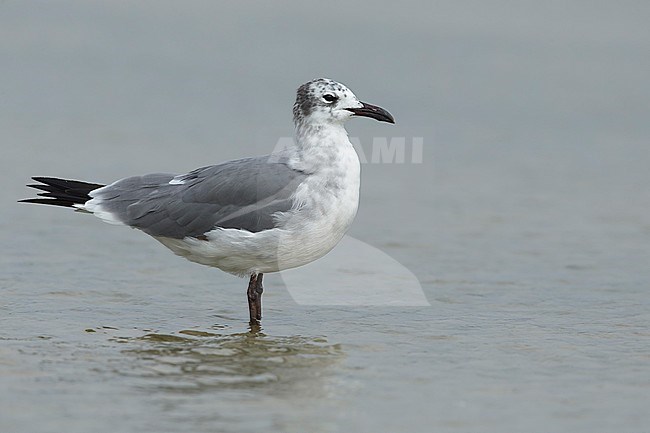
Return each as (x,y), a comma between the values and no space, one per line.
(328,97)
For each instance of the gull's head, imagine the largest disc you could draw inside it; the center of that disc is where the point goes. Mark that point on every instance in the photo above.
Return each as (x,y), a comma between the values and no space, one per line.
(324,101)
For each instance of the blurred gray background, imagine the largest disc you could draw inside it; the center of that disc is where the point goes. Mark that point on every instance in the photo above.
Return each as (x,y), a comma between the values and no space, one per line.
(527,223)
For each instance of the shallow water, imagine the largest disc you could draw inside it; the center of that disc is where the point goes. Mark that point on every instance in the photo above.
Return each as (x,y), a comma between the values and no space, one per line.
(526,225)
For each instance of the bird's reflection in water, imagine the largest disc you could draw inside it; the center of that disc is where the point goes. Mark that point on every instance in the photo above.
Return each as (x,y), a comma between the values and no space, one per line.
(199,361)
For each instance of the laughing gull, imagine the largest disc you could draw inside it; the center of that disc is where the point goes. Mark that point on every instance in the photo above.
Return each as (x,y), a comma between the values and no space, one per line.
(249,216)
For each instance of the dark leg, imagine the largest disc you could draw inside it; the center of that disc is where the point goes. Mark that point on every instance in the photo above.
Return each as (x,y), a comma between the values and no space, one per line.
(254,293)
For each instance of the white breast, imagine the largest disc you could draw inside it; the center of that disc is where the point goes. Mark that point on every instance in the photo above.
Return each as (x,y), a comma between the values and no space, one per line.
(328,202)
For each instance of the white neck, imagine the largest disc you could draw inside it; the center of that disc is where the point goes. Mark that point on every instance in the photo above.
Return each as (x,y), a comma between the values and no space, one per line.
(320,146)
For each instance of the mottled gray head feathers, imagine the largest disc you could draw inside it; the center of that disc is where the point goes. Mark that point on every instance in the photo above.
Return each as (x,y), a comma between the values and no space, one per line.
(324,101)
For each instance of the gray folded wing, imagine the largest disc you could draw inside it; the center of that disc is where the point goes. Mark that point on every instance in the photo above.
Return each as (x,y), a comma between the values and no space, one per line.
(242,194)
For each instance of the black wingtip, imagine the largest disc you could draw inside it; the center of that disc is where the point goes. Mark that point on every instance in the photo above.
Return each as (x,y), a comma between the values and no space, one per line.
(51,201)
(61,192)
